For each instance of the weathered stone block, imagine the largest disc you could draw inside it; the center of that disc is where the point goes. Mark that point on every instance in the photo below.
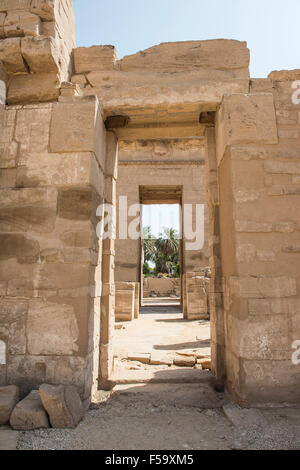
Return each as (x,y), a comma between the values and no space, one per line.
(44,8)
(9,397)
(28,210)
(13,324)
(184,361)
(29,414)
(21,23)
(10,55)
(75,127)
(253,226)
(57,170)
(33,88)
(246,119)
(88,59)
(218,54)
(28,372)
(75,204)
(52,329)
(41,54)
(15,5)
(260,287)
(20,247)
(32,130)
(62,404)
(277,166)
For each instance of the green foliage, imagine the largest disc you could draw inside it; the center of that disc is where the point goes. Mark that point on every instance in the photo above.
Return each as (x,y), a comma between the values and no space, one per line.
(147,270)
(162,251)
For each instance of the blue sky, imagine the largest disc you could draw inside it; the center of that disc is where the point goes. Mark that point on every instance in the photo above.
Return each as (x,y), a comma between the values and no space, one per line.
(160,216)
(271,27)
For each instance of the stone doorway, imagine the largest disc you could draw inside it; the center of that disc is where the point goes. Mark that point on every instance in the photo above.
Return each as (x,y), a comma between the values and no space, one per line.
(161,246)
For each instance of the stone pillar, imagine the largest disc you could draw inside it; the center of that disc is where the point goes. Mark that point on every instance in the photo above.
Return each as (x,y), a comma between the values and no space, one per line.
(257,137)
(108,266)
(216,281)
(52,161)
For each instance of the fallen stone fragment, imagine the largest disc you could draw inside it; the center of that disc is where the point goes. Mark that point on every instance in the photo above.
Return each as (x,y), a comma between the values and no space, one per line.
(140,357)
(205,363)
(63,405)
(244,418)
(9,397)
(29,414)
(184,361)
(158,359)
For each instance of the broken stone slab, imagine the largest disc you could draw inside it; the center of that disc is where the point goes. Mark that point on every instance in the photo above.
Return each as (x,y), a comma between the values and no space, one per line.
(244,418)
(205,363)
(158,359)
(184,361)
(29,414)
(139,357)
(9,397)
(63,405)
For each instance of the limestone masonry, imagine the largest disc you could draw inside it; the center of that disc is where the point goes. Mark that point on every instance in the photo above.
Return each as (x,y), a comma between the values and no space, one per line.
(180,122)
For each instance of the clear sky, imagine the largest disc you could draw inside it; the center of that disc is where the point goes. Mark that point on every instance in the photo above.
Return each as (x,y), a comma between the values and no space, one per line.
(270,27)
(160,216)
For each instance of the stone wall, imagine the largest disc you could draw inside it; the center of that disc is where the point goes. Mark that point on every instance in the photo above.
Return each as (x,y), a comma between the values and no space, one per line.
(52,181)
(258,143)
(161,287)
(156,162)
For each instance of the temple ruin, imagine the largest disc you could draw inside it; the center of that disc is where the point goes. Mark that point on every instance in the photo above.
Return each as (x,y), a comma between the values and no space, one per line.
(177,122)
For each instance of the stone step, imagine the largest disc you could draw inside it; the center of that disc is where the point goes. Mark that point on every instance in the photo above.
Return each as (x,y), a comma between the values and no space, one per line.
(166,376)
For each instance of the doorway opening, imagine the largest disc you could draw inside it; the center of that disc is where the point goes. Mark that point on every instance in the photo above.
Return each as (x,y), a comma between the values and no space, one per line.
(161,246)
(159,344)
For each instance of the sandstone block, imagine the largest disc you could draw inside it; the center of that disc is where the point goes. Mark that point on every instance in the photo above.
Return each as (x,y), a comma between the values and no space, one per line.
(184,361)
(29,209)
(52,329)
(12,325)
(88,59)
(218,54)
(9,397)
(44,8)
(75,204)
(10,55)
(33,88)
(18,246)
(277,166)
(15,5)
(21,23)
(260,287)
(246,118)
(74,126)
(29,414)
(41,54)
(63,405)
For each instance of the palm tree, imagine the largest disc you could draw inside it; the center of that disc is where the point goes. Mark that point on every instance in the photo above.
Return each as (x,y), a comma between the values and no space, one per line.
(148,244)
(167,246)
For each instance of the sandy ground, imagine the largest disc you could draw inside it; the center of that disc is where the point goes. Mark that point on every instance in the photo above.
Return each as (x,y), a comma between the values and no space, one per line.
(162,331)
(164,416)
(167,417)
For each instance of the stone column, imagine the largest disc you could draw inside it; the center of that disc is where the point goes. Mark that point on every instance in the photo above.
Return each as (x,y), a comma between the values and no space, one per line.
(216,282)
(259,219)
(52,156)
(108,266)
